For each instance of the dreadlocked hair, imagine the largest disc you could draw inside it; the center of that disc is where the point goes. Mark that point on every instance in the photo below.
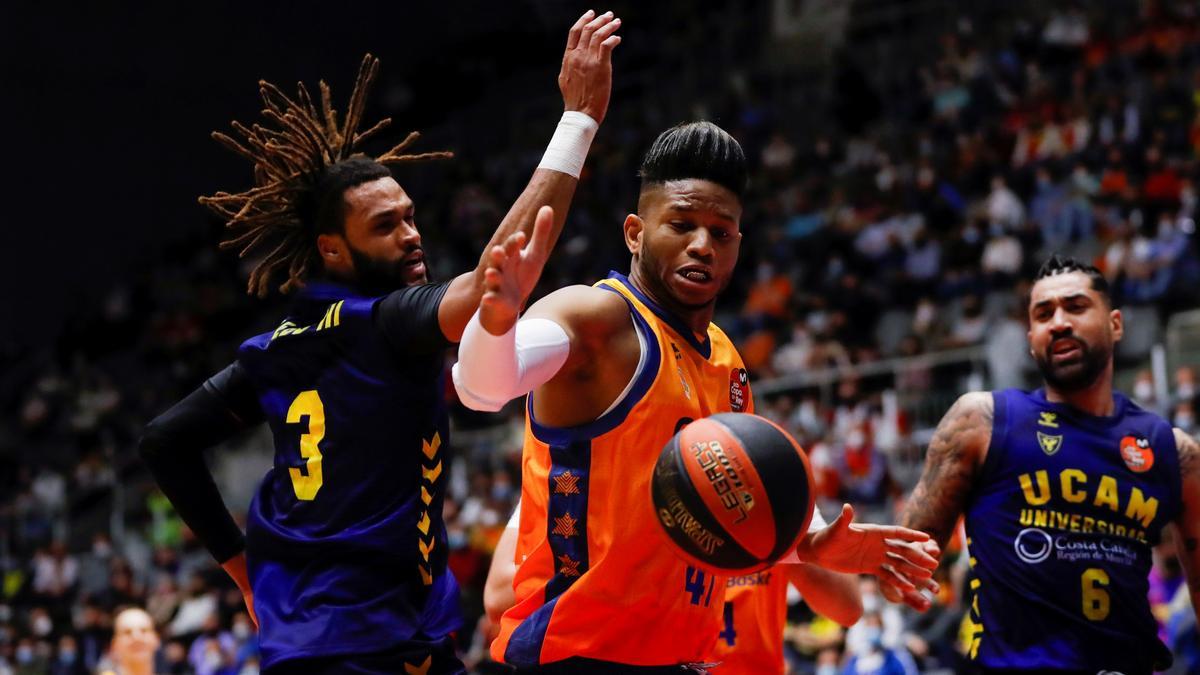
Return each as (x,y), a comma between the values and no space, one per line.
(302,163)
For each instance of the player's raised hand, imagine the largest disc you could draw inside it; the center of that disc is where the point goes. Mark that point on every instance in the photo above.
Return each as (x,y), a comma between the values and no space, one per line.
(586,75)
(898,556)
(513,269)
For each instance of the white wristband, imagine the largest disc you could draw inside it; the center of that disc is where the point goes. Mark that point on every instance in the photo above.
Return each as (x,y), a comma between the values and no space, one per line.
(569,146)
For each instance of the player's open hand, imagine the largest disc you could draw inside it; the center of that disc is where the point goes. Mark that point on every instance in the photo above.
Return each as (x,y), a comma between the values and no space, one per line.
(586,76)
(900,589)
(898,556)
(513,269)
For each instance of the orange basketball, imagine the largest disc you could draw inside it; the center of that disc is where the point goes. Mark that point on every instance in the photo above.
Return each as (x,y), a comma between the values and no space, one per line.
(733,492)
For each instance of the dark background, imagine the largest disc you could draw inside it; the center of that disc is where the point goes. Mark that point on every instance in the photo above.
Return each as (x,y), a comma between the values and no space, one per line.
(109,108)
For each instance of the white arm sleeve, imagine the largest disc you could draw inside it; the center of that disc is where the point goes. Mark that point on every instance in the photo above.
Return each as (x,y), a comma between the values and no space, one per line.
(494,369)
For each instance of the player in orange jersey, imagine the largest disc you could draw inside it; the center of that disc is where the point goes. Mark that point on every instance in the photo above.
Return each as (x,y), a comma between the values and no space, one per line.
(615,370)
(755,611)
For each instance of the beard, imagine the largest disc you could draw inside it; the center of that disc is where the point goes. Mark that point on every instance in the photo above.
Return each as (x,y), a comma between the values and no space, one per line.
(378,277)
(1078,374)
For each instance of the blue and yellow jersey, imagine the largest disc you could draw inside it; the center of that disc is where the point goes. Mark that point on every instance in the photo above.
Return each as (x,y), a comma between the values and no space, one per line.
(346,547)
(1059,532)
(597,578)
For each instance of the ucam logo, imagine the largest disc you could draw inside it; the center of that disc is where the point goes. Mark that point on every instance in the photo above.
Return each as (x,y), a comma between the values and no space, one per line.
(1033,545)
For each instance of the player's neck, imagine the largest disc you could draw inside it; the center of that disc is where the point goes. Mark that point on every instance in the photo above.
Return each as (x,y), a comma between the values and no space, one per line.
(133,667)
(696,318)
(1096,400)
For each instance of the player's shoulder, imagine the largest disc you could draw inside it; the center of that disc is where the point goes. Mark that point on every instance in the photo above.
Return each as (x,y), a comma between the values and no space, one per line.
(979,404)
(586,308)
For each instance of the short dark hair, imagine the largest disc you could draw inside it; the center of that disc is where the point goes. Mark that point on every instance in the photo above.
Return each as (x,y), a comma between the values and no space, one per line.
(1064,264)
(696,150)
(327,210)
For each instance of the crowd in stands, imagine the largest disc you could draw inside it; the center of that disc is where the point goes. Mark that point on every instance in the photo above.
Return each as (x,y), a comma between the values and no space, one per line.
(908,228)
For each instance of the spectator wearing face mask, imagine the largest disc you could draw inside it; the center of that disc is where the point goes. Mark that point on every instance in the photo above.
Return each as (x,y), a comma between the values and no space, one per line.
(68,661)
(875,658)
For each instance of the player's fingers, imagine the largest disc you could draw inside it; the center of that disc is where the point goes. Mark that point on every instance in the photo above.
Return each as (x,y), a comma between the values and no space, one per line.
(911,553)
(913,568)
(543,225)
(603,33)
(585,36)
(889,576)
(514,244)
(902,533)
(573,34)
(496,256)
(608,45)
(931,547)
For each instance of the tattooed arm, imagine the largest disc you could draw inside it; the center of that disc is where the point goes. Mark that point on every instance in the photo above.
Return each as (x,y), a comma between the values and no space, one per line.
(955,454)
(1188,523)
(952,461)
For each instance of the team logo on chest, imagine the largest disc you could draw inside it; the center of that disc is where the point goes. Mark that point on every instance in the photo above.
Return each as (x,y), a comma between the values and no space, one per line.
(1137,453)
(739,389)
(1050,444)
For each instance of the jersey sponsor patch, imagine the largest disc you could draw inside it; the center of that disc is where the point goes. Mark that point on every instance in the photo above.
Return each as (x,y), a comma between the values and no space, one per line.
(739,389)
(1137,453)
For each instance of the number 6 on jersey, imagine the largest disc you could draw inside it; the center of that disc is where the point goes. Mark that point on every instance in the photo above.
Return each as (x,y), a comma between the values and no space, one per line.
(308,404)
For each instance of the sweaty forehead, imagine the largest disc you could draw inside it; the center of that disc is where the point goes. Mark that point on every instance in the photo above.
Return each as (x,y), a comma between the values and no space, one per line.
(695,194)
(376,195)
(1061,286)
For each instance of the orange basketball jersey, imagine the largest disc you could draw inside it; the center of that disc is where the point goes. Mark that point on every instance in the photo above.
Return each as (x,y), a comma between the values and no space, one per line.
(755,614)
(597,577)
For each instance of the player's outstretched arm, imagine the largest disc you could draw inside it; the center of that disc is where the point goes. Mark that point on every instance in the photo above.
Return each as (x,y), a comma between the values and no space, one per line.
(501,358)
(585,80)
(896,555)
(172,446)
(955,454)
(1188,523)
(831,594)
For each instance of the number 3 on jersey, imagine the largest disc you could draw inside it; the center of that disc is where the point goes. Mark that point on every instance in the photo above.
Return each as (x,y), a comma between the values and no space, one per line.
(308,404)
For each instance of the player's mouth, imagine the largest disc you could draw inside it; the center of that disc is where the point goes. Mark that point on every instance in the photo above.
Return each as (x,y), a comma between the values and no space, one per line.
(1065,350)
(414,264)
(696,276)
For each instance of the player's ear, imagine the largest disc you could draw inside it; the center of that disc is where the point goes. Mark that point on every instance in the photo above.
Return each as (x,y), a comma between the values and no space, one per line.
(1117,323)
(330,246)
(634,228)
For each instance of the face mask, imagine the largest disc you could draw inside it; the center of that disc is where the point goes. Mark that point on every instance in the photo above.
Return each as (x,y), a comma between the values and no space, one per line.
(1185,421)
(24,655)
(241,631)
(870,603)
(1185,390)
(873,636)
(456,540)
(971,235)
(66,657)
(1143,391)
(42,626)
(827,669)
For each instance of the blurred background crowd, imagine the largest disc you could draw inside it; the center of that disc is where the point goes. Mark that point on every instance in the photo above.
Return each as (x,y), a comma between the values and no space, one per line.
(912,162)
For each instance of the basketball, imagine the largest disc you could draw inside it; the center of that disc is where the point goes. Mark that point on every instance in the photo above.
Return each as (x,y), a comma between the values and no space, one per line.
(733,492)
